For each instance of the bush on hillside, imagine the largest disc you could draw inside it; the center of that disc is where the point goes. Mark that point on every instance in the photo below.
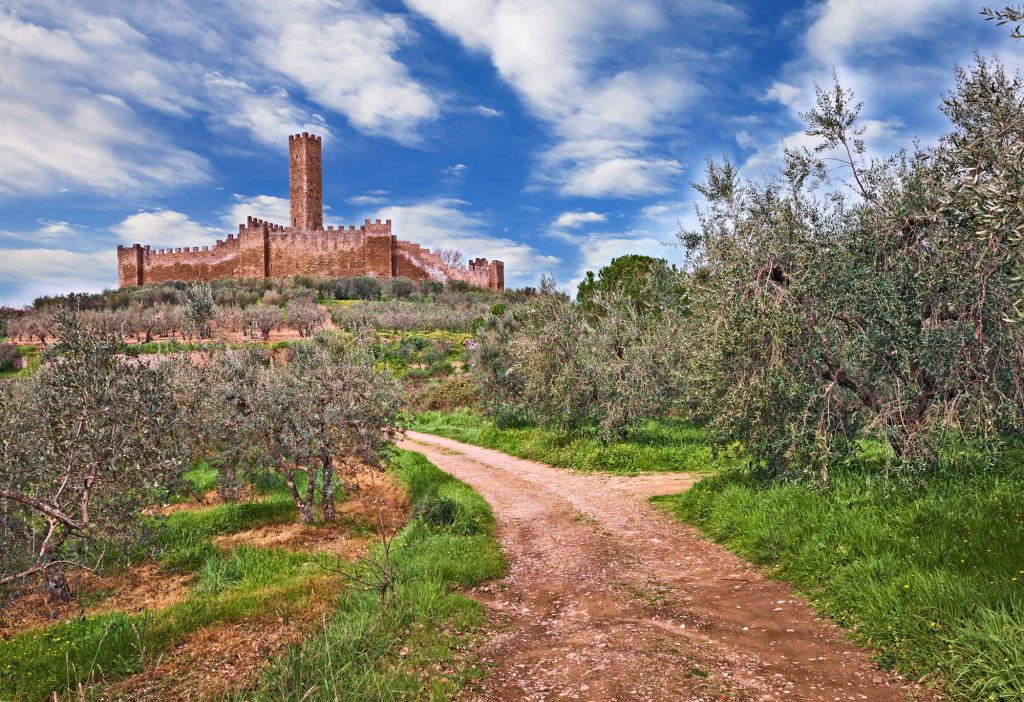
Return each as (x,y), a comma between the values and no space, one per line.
(304,317)
(399,288)
(449,394)
(555,362)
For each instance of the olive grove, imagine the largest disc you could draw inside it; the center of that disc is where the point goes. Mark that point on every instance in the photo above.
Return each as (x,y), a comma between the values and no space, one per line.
(849,298)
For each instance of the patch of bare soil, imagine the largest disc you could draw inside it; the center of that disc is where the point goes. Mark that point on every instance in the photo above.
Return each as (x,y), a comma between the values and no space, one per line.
(331,538)
(609,600)
(210,498)
(227,658)
(374,501)
(374,498)
(135,589)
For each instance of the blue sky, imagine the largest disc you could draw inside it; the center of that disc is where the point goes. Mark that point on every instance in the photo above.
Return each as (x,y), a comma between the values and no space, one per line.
(551,134)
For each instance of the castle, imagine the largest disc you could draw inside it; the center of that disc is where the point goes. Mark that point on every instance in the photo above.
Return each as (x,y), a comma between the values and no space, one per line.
(263,250)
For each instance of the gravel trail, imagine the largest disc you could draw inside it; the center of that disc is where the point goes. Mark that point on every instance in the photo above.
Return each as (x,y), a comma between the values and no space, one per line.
(607,599)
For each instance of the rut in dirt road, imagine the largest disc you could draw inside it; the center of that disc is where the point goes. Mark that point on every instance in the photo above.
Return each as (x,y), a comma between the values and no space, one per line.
(608,599)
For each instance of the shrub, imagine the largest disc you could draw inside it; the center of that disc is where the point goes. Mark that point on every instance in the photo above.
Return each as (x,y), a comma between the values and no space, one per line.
(8,357)
(565,365)
(447,395)
(360,287)
(399,288)
(199,309)
(441,368)
(403,315)
(431,287)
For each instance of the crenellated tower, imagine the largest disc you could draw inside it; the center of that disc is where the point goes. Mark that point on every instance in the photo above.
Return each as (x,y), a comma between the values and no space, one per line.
(305,181)
(264,249)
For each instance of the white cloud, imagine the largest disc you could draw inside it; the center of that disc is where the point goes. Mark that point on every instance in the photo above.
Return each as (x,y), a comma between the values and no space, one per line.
(456,169)
(488,111)
(48,232)
(269,115)
(267,207)
(575,219)
(66,120)
(27,273)
(788,95)
(59,133)
(448,223)
(371,197)
(80,80)
(843,26)
(342,55)
(165,229)
(622,177)
(564,61)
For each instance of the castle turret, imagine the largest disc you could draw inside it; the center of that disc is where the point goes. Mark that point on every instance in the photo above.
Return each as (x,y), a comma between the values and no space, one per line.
(305,181)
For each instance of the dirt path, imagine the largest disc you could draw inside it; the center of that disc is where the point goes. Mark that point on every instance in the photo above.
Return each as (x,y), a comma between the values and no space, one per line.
(608,599)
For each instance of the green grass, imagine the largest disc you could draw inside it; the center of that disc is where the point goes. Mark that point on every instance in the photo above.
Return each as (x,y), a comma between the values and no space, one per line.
(359,655)
(201,478)
(367,654)
(111,646)
(232,586)
(663,445)
(933,581)
(184,538)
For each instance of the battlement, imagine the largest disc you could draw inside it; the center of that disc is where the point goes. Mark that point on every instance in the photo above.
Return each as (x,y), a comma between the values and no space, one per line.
(266,249)
(305,136)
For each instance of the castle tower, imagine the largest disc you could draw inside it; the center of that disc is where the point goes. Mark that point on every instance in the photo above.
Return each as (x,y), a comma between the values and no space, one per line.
(305,181)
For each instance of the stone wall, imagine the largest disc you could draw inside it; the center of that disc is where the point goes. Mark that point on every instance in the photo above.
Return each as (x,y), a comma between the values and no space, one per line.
(266,250)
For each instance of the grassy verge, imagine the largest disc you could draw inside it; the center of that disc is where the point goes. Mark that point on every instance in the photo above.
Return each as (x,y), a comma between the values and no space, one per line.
(414,648)
(664,445)
(228,587)
(933,581)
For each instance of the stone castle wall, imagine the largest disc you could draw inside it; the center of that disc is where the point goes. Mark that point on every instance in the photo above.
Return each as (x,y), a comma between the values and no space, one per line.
(266,250)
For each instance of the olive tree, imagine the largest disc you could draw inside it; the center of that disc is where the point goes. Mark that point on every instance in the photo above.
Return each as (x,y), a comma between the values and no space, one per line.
(875,306)
(84,442)
(607,365)
(199,308)
(325,408)
(305,317)
(263,319)
(220,394)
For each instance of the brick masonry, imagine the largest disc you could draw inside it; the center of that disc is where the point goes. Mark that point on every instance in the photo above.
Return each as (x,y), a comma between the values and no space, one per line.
(263,249)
